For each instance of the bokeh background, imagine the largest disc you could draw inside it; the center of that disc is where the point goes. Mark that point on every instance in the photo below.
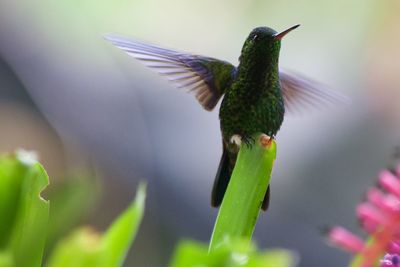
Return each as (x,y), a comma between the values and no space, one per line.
(85,106)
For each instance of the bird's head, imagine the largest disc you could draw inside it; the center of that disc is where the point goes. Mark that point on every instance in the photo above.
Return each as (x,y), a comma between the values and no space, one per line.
(263,43)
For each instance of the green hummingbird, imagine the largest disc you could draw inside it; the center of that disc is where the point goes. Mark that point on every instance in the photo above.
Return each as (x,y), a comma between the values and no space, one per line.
(255,93)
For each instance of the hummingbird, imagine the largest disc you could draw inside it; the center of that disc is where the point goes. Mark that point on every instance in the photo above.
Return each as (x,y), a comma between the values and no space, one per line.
(255,93)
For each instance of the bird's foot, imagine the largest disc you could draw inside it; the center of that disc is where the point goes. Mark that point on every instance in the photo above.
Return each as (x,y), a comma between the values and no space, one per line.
(266,140)
(248,140)
(236,139)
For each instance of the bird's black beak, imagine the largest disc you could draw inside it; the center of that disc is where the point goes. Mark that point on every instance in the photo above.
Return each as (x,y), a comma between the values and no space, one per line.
(280,35)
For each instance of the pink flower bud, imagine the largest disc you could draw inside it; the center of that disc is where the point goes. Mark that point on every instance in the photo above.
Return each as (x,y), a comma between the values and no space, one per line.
(345,239)
(390,182)
(369,214)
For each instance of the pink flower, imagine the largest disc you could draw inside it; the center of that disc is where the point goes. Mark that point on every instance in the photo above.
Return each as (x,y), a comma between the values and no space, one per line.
(379,216)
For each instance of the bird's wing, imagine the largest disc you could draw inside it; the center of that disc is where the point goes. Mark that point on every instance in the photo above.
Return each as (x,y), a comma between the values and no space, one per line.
(301,92)
(206,77)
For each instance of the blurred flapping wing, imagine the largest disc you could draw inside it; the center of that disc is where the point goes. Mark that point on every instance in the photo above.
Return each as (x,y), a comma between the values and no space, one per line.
(300,92)
(206,77)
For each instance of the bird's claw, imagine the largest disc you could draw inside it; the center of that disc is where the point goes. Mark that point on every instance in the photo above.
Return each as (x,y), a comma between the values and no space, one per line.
(236,139)
(248,141)
(266,140)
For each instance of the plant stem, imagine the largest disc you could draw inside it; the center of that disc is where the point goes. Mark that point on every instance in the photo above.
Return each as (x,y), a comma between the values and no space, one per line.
(245,193)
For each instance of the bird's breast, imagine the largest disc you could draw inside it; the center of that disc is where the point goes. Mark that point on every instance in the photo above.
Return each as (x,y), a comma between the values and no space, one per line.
(249,114)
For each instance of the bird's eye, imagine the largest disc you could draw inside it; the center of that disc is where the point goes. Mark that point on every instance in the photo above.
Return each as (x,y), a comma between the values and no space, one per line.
(255,37)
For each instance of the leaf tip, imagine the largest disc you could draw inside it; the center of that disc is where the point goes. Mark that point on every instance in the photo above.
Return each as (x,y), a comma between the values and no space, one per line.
(27,157)
(141,192)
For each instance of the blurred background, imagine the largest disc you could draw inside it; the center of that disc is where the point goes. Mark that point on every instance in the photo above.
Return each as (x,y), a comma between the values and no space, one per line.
(92,111)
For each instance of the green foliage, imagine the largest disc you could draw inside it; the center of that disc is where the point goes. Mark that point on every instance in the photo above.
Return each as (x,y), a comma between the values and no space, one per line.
(82,248)
(70,202)
(231,245)
(245,193)
(24,213)
(119,236)
(25,220)
(230,254)
(24,223)
(87,248)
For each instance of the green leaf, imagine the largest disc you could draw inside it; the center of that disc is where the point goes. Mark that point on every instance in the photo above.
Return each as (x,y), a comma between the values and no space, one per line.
(70,202)
(29,235)
(6,259)
(274,258)
(87,248)
(82,248)
(24,213)
(120,235)
(233,254)
(245,193)
(11,177)
(190,253)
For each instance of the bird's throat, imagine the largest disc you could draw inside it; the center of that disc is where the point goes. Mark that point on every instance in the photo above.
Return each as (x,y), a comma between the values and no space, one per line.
(257,78)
